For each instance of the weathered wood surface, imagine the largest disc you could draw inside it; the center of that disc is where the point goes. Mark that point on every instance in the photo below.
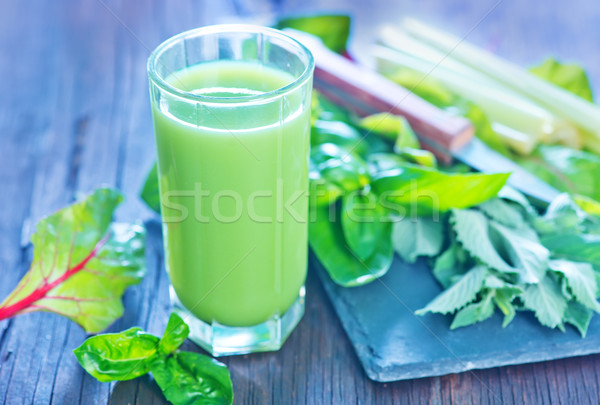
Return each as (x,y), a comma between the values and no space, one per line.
(74,114)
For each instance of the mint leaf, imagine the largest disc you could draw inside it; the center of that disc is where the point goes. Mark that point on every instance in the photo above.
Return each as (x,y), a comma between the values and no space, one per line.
(581,280)
(475,312)
(528,256)
(449,265)
(81,265)
(471,229)
(574,246)
(192,378)
(502,212)
(459,294)
(547,302)
(118,356)
(578,316)
(175,334)
(417,237)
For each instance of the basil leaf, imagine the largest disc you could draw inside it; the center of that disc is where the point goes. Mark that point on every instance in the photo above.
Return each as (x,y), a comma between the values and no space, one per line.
(81,264)
(333,29)
(118,356)
(345,267)
(187,378)
(361,219)
(150,193)
(430,191)
(175,334)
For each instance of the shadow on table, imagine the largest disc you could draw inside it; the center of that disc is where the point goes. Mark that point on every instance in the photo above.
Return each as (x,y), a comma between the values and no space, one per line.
(142,390)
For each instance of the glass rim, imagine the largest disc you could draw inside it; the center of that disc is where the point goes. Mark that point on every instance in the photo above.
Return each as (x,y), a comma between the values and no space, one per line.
(215,29)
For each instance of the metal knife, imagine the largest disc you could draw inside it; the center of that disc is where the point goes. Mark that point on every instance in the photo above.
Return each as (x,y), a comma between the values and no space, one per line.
(365,92)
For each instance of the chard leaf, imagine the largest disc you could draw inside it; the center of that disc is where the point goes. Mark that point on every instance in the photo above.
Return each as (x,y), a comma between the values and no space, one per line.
(570,77)
(461,293)
(417,237)
(471,229)
(192,378)
(81,264)
(574,246)
(547,302)
(345,267)
(502,212)
(333,29)
(581,280)
(361,219)
(150,193)
(118,356)
(475,312)
(528,256)
(425,191)
(175,334)
(578,316)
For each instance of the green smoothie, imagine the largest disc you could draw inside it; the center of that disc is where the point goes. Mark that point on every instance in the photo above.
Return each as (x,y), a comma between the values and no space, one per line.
(234,183)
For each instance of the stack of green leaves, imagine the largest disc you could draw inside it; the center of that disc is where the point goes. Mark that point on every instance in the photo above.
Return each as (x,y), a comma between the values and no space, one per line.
(503,254)
(184,377)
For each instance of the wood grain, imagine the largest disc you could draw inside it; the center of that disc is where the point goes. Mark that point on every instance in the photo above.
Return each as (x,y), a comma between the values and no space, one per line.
(74,114)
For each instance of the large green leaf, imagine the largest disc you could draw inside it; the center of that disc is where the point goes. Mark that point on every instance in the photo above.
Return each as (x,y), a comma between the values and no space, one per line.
(459,294)
(175,334)
(364,223)
(345,267)
(424,191)
(81,264)
(118,356)
(417,237)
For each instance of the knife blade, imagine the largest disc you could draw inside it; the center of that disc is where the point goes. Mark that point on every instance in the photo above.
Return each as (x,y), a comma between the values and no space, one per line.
(365,92)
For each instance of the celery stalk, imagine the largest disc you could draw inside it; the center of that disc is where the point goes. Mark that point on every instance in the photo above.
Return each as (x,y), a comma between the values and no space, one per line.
(500,104)
(561,102)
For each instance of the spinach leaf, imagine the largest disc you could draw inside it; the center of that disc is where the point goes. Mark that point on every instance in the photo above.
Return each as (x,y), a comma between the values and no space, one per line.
(187,378)
(345,268)
(425,191)
(150,193)
(184,377)
(82,264)
(118,356)
(364,223)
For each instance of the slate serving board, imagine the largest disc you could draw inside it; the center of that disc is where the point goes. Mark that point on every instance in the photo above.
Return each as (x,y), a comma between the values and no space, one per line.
(394,344)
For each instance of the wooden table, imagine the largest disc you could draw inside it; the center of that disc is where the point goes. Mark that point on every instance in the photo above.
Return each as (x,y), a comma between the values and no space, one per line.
(74,114)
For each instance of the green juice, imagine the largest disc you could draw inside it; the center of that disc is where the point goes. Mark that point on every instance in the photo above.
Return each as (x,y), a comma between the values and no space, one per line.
(234,193)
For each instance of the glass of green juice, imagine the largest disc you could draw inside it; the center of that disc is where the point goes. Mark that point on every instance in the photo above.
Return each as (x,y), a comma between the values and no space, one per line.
(231,111)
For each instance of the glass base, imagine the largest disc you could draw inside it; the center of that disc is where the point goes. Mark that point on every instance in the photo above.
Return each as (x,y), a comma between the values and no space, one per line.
(221,340)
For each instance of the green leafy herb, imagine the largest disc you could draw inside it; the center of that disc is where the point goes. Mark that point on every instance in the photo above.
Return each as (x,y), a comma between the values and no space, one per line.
(363,223)
(150,194)
(344,266)
(184,377)
(546,300)
(81,264)
(333,29)
(417,237)
(570,77)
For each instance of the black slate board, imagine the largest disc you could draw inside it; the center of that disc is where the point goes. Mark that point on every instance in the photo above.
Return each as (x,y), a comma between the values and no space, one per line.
(394,344)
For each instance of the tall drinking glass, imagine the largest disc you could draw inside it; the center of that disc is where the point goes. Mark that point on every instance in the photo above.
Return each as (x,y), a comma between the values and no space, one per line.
(231,111)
